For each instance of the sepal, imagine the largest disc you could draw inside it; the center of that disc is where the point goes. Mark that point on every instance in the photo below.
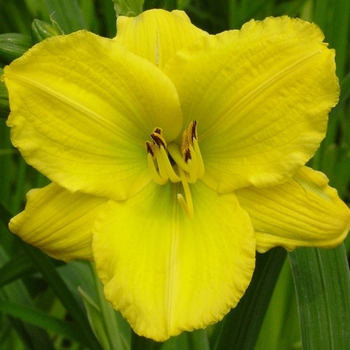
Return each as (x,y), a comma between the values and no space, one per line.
(42,30)
(128,8)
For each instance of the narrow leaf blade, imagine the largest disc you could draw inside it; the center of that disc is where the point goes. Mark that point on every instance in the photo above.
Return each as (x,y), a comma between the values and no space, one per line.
(322,284)
(241,327)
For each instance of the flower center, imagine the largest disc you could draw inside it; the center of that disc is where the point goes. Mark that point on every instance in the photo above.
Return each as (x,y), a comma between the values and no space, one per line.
(168,162)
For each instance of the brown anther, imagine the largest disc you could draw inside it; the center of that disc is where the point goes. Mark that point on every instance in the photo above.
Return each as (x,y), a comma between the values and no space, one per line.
(157,131)
(187,140)
(149,148)
(185,143)
(187,155)
(158,139)
(193,127)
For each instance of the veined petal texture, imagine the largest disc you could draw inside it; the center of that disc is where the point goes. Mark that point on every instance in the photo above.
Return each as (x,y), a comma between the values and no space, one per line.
(81,109)
(261,96)
(304,211)
(58,222)
(167,273)
(157,34)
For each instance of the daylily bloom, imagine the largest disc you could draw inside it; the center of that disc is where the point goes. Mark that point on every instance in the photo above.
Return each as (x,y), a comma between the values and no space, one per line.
(174,155)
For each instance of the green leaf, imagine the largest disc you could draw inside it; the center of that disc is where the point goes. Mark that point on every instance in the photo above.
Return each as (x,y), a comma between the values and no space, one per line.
(46,267)
(16,292)
(163,4)
(322,284)
(142,343)
(13,45)
(198,340)
(195,340)
(18,266)
(104,319)
(280,329)
(113,329)
(4,99)
(67,14)
(240,328)
(95,319)
(41,319)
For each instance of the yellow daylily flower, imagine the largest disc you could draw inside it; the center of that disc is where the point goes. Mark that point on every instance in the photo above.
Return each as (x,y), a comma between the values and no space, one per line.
(174,155)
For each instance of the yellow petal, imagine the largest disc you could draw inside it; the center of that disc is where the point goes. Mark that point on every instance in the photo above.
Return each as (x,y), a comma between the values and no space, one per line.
(304,211)
(58,222)
(82,108)
(167,273)
(157,34)
(261,97)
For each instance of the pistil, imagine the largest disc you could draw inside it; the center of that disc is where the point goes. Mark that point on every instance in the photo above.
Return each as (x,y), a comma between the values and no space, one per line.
(168,162)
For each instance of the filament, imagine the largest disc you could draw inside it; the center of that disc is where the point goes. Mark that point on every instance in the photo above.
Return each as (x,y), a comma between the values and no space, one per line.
(187,205)
(154,172)
(169,162)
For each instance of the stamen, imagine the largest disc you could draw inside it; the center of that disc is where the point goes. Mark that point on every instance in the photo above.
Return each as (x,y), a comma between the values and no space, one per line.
(193,126)
(162,165)
(168,167)
(178,159)
(186,166)
(192,174)
(200,162)
(158,131)
(187,205)
(149,148)
(154,173)
(194,160)
(169,162)
(158,139)
(186,142)
(187,154)
(187,139)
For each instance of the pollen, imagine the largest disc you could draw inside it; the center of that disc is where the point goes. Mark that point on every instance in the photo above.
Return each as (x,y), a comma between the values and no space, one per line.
(169,162)
(187,140)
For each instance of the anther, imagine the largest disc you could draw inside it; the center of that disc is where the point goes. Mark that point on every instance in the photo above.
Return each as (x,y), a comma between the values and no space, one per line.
(157,131)
(177,157)
(158,139)
(169,162)
(187,155)
(149,148)
(188,138)
(193,126)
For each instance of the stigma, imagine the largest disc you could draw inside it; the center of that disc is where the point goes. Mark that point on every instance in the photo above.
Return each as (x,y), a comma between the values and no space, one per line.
(175,164)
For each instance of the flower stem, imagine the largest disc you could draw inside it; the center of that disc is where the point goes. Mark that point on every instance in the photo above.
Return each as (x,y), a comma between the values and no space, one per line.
(108,315)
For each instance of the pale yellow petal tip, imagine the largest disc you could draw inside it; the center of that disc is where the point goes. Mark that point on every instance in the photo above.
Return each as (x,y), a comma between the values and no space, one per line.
(157,326)
(58,222)
(173,281)
(157,34)
(159,330)
(327,228)
(317,182)
(151,15)
(283,24)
